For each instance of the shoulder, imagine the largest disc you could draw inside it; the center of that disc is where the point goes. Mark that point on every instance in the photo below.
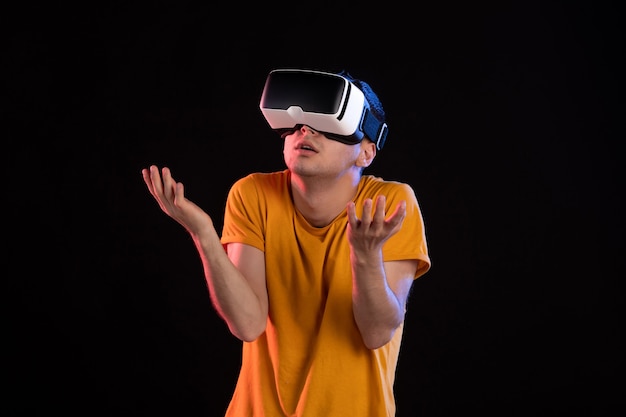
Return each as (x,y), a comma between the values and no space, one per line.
(375,185)
(261,189)
(261,180)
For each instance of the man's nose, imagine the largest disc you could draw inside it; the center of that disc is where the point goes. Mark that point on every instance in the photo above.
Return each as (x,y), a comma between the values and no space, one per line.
(308,130)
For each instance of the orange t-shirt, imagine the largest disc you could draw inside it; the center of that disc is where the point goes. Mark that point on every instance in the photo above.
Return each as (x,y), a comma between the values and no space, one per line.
(311,360)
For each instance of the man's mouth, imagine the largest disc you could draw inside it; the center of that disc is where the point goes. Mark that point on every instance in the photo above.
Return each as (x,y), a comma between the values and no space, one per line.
(305,147)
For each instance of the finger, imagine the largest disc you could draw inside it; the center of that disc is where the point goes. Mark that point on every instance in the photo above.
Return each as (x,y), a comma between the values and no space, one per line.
(169,185)
(397,217)
(155,179)
(379,213)
(366,217)
(179,193)
(157,188)
(145,173)
(351,212)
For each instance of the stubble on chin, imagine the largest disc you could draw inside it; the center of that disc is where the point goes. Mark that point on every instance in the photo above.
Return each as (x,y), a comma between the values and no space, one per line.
(303,170)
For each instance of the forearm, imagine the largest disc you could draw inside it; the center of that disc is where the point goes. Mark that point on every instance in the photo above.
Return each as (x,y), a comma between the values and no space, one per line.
(230,292)
(377,310)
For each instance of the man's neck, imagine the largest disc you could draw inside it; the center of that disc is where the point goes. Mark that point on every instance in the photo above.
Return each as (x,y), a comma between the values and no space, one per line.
(320,201)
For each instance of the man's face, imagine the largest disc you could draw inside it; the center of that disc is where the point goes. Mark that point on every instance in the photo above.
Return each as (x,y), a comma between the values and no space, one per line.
(310,153)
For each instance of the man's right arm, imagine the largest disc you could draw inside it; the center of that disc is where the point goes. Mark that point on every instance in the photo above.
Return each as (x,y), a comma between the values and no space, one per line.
(236,283)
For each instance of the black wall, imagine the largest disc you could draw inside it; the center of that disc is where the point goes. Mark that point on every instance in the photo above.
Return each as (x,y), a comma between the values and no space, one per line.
(504,119)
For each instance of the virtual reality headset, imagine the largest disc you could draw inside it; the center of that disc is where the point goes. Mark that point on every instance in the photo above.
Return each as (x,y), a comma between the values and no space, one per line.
(328,103)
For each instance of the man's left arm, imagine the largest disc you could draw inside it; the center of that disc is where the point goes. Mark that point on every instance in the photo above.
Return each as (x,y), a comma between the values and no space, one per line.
(379,289)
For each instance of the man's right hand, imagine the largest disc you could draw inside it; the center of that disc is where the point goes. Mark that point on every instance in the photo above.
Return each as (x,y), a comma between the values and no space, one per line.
(171,198)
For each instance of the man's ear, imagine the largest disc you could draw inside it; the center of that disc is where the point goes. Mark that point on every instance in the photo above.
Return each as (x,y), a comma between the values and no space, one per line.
(368,153)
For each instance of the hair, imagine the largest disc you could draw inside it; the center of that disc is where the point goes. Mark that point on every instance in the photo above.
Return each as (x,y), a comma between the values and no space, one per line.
(376,107)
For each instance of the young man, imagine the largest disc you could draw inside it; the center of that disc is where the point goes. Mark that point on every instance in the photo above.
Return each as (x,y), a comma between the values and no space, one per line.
(315,263)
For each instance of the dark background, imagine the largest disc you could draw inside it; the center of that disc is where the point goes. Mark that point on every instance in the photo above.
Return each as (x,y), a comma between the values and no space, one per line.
(503,117)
